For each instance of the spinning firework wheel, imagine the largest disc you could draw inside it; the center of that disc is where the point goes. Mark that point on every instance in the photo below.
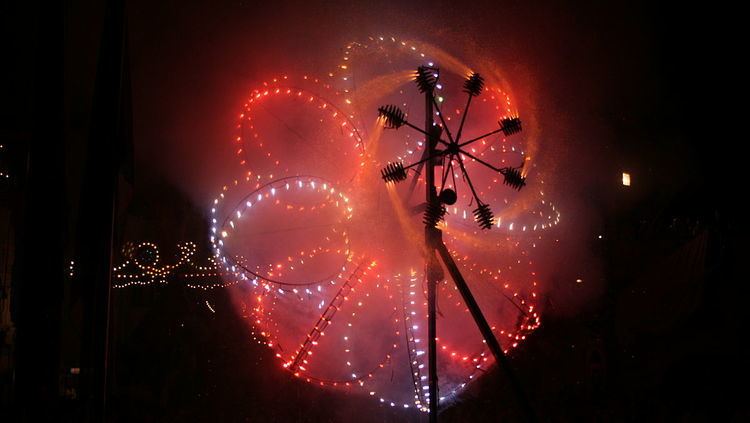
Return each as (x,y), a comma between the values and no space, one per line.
(322,257)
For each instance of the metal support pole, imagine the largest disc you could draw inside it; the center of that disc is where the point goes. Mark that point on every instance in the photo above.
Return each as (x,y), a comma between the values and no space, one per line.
(486,331)
(433,270)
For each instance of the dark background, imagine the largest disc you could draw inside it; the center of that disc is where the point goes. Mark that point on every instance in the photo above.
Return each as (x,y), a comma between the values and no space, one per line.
(649,87)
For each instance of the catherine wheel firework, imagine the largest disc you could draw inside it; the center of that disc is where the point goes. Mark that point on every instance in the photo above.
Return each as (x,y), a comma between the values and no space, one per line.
(325,260)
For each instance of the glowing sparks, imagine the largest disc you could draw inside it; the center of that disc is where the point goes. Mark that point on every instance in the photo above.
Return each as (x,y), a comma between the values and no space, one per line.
(323,264)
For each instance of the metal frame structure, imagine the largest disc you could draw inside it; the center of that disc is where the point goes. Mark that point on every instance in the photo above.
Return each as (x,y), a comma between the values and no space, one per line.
(452,151)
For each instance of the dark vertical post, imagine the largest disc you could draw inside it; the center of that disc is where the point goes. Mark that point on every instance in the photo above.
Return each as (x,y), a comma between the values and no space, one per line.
(433,269)
(35,62)
(106,152)
(486,331)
